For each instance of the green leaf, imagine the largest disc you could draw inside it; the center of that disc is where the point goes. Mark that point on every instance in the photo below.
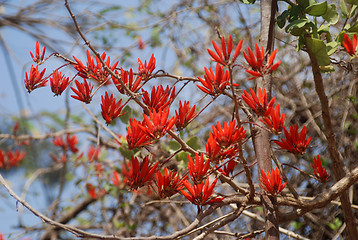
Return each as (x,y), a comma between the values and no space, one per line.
(331,16)
(125,152)
(128,113)
(182,157)
(353,9)
(303,3)
(336,224)
(353,28)
(297,27)
(174,145)
(281,20)
(317,9)
(354,2)
(332,47)
(326,69)
(194,143)
(344,9)
(319,49)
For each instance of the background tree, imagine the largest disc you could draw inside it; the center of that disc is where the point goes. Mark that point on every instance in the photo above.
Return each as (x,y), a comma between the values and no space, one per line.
(133,176)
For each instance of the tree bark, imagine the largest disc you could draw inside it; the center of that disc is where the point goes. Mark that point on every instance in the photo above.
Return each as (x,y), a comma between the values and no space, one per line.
(261,137)
(337,169)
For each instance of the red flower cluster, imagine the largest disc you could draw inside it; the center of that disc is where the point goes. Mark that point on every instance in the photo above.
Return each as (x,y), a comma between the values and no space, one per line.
(127,78)
(185,115)
(111,109)
(215,153)
(258,68)
(39,54)
(94,71)
(228,168)
(215,84)
(11,159)
(318,170)
(34,80)
(295,142)
(83,91)
(258,104)
(201,196)
(223,140)
(58,83)
(157,124)
(199,168)
(136,136)
(349,45)
(159,98)
(70,143)
(145,70)
(275,120)
(169,183)
(222,55)
(228,135)
(137,174)
(272,182)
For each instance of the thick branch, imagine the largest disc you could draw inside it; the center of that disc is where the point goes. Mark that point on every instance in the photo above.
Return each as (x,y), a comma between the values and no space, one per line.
(337,168)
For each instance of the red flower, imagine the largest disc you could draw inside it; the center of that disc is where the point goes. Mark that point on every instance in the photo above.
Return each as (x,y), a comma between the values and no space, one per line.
(69,145)
(157,124)
(159,98)
(93,192)
(215,153)
(185,115)
(199,169)
(145,70)
(93,153)
(258,104)
(229,135)
(137,175)
(169,183)
(72,142)
(228,168)
(11,159)
(215,84)
(275,121)
(115,179)
(295,142)
(199,196)
(272,182)
(83,91)
(318,170)
(258,69)
(136,136)
(39,56)
(222,55)
(110,108)
(58,83)
(127,78)
(94,71)
(35,79)
(350,46)
(141,44)
(98,72)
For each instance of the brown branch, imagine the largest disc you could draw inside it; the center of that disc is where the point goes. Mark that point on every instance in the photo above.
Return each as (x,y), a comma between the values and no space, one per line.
(260,137)
(338,168)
